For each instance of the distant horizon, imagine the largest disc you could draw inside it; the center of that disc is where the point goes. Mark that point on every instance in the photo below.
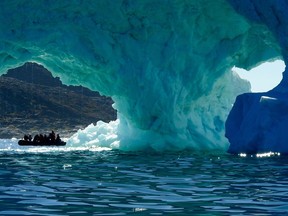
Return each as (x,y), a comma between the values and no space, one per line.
(264,77)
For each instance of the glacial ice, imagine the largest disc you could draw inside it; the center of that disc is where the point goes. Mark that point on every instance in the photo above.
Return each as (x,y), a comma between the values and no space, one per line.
(166,65)
(258,122)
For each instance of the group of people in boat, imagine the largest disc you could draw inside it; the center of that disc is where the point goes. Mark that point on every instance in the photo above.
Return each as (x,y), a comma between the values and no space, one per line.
(40,138)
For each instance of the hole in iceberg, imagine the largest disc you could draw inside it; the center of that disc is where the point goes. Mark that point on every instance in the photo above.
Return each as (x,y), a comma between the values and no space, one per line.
(263,77)
(33,102)
(257,122)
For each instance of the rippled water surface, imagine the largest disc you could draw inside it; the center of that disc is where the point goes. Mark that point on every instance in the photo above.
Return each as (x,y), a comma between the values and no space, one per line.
(83,182)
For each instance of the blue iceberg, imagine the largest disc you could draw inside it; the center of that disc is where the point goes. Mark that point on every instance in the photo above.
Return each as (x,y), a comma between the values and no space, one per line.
(167,65)
(258,122)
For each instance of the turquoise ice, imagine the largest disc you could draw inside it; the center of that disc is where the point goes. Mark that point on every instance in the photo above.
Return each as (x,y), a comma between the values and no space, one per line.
(166,64)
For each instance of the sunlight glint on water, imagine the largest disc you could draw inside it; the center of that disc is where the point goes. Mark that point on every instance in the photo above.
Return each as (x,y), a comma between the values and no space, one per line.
(60,181)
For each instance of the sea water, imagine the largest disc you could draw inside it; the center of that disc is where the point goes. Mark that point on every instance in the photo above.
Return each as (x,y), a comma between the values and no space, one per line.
(79,181)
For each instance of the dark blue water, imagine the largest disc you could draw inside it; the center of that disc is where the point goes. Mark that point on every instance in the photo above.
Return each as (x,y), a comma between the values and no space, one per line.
(83,182)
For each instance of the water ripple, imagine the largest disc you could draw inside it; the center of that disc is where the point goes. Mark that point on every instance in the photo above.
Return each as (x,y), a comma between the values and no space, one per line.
(115,183)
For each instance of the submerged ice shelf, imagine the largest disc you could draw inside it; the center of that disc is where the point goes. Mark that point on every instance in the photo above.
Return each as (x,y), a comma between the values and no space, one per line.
(166,66)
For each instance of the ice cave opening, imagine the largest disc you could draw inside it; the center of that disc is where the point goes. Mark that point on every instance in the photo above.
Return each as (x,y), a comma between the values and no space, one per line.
(258,120)
(264,77)
(34,102)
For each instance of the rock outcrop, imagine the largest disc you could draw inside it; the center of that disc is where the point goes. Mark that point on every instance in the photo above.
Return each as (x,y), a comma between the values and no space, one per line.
(32,101)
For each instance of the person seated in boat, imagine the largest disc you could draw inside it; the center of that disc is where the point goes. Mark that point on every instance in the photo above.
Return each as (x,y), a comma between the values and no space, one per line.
(29,137)
(45,138)
(52,136)
(41,138)
(26,137)
(36,138)
(58,139)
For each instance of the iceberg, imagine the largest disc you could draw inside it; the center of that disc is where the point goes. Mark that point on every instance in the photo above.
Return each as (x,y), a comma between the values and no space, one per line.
(258,122)
(167,66)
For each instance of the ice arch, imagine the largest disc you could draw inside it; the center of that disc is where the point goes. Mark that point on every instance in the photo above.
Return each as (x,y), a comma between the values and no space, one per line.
(166,65)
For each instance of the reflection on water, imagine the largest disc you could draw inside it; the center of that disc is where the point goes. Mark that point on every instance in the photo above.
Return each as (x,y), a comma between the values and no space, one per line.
(82,182)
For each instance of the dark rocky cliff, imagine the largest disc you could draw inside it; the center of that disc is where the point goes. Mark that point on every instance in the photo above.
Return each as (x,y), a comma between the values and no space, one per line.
(33,101)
